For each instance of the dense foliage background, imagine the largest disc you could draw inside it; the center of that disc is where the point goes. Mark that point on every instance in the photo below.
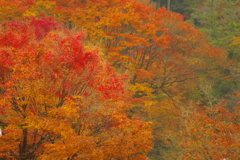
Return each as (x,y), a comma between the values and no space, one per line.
(119,79)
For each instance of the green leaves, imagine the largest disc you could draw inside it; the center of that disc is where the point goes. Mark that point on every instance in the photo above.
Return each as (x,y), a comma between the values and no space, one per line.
(219,20)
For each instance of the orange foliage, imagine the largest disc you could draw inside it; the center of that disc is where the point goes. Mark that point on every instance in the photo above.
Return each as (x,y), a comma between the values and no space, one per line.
(60,100)
(164,56)
(210,133)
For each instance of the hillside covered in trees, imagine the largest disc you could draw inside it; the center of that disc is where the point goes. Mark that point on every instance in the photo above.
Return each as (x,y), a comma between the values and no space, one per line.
(119,79)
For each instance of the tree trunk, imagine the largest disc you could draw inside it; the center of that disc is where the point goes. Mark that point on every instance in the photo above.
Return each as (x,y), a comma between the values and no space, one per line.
(23,145)
(169,5)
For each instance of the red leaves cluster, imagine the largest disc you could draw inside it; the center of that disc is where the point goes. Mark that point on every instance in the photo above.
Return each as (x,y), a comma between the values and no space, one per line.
(112,85)
(8,38)
(42,26)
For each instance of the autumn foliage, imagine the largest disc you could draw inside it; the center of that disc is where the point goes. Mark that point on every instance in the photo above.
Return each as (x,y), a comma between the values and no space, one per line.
(91,79)
(210,133)
(61,100)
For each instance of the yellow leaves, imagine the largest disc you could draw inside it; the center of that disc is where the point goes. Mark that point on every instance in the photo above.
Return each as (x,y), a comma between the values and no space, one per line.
(71,146)
(49,125)
(125,140)
(29,14)
(128,5)
(235,41)
(41,7)
(90,47)
(208,125)
(148,124)
(141,88)
(69,110)
(149,103)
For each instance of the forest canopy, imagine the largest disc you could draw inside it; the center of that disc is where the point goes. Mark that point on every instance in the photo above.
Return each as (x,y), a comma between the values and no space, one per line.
(119,79)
